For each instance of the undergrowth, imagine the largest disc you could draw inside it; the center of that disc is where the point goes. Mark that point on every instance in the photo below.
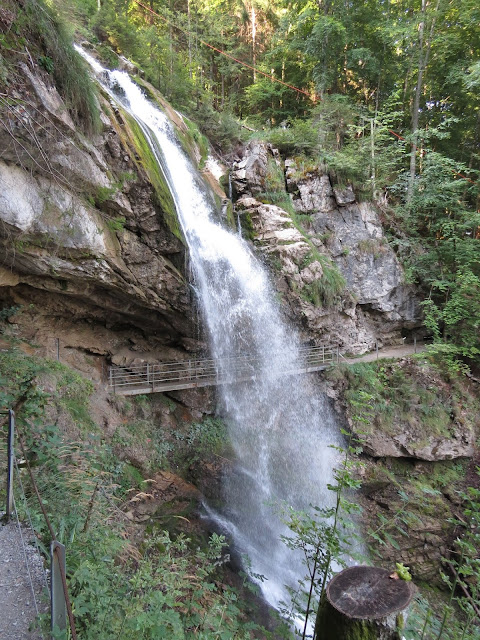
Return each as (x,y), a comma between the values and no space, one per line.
(164,587)
(37,29)
(397,396)
(326,290)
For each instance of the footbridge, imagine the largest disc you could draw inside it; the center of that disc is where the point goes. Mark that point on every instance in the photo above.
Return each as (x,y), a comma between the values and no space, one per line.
(189,374)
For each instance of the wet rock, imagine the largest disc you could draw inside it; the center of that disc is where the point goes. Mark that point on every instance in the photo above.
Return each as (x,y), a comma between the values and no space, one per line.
(83,236)
(165,493)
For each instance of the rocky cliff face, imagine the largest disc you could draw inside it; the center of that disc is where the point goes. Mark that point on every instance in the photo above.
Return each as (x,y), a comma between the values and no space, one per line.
(334,267)
(90,250)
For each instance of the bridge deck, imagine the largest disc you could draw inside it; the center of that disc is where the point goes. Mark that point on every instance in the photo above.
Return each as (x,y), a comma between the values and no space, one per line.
(189,374)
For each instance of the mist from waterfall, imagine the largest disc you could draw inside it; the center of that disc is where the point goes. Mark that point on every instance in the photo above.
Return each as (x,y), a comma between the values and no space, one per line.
(280,426)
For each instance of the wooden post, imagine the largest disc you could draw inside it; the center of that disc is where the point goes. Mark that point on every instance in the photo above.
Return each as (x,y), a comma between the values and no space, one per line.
(10,464)
(58,348)
(364,602)
(376,347)
(415,344)
(58,608)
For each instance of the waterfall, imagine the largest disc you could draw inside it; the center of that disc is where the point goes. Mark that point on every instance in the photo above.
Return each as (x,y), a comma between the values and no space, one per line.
(280,426)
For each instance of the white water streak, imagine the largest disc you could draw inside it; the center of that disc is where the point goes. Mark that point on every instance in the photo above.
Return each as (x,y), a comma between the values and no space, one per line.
(280,427)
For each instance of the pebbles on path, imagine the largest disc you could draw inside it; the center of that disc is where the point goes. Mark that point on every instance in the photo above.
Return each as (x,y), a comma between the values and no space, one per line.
(17,601)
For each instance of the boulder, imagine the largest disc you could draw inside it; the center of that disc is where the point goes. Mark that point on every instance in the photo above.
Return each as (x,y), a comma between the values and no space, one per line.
(248,175)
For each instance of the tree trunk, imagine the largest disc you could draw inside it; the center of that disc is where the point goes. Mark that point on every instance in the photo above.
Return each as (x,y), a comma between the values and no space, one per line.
(254,41)
(424,53)
(189,42)
(364,602)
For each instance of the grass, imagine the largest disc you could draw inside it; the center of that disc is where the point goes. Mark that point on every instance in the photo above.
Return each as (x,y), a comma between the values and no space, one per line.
(125,581)
(39,28)
(390,390)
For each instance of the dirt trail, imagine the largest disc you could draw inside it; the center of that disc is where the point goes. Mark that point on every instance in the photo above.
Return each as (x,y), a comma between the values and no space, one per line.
(21,570)
(387,352)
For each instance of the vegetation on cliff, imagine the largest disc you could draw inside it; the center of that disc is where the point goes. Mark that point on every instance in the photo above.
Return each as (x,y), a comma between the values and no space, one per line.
(33,28)
(384,95)
(161,579)
(365,73)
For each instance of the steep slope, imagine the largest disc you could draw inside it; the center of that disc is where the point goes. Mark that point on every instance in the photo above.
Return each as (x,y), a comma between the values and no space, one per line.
(89,243)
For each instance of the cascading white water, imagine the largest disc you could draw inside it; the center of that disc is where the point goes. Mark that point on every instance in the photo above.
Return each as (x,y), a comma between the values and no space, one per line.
(280,426)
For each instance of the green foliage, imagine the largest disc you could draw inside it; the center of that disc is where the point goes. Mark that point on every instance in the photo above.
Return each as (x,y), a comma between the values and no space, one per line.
(442,256)
(201,441)
(38,24)
(390,388)
(102,194)
(221,128)
(168,587)
(403,572)
(326,290)
(207,437)
(116,224)
(457,619)
(199,139)
(8,312)
(325,536)
(298,138)
(47,63)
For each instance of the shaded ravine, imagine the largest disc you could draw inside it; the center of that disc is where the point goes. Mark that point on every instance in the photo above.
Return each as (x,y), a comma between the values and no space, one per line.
(280,428)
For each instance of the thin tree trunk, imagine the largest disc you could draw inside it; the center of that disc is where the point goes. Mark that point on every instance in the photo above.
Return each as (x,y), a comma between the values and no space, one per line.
(424,48)
(416,102)
(189,42)
(254,38)
(372,150)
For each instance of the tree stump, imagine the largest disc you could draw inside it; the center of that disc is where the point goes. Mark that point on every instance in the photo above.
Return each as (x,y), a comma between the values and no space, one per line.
(363,603)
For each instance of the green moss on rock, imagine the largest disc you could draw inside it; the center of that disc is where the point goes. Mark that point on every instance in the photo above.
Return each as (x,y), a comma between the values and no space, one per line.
(156,177)
(194,138)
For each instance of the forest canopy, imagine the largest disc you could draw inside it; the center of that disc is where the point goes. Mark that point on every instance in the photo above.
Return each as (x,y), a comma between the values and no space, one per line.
(385,93)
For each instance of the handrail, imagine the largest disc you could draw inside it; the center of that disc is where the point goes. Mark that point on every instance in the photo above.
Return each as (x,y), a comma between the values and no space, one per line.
(198,372)
(57,550)
(208,371)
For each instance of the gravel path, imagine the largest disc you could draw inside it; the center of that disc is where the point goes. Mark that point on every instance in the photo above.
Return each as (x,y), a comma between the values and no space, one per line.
(17,604)
(388,352)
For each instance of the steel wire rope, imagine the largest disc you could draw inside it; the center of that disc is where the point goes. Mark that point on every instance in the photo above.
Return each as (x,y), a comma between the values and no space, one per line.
(27,511)
(24,549)
(63,577)
(224,53)
(313,98)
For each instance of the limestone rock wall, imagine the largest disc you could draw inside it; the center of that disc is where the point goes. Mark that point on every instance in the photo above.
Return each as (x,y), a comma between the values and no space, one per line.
(86,242)
(323,226)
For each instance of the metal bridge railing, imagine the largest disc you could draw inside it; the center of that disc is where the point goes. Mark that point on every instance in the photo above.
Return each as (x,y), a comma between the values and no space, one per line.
(207,372)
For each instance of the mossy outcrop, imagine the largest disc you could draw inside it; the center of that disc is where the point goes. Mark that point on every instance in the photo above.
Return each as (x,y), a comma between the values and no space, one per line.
(90,242)
(338,276)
